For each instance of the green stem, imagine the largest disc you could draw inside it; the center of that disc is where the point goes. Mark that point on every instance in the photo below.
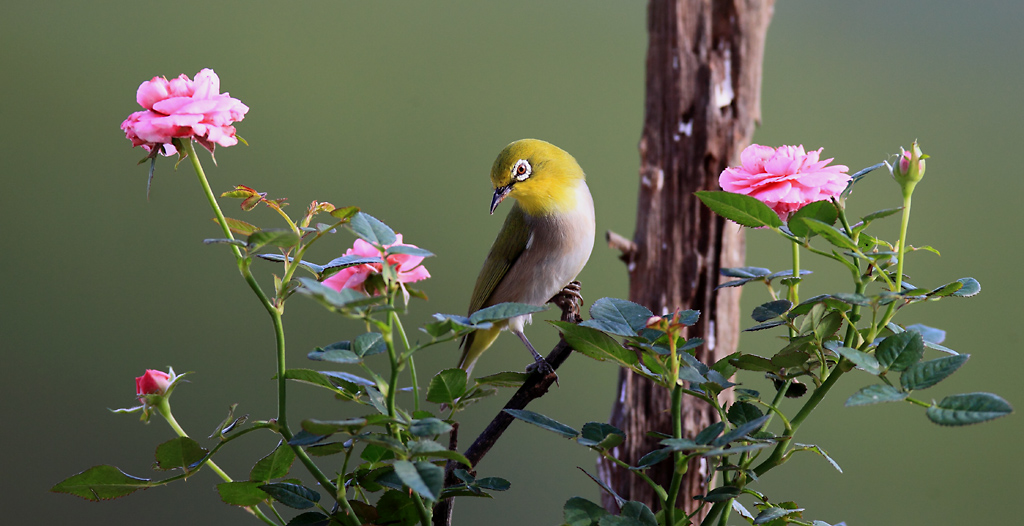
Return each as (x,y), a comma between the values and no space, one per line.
(662,495)
(164,407)
(412,363)
(677,456)
(421,509)
(715,512)
(794,289)
(901,250)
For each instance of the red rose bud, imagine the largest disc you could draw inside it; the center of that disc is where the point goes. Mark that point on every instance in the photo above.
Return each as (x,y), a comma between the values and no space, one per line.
(152,383)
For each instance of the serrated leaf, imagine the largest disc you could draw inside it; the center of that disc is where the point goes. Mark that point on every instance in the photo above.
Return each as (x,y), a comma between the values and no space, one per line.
(741,431)
(618,316)
(422,477)
(578,511)
(102,483)
(639,512)
(292,495)
(345,213)
(503,379)
(311,377)
(337,352)
(334,299)
(653,458)
(503,311)
(770,310)
(970,288)
(351,260)
(595,343)
(899,351)
(273,466)
(447,386)
(409,250)
(368,344)
(753,362)
(863,360)
(830,234)
(743,412)
(766,325)
(874,394)
(429,448)
(179,453)
(709,433)
(493,484)
(371,229)
(923,375)
(880,214)
(966,409)
(284,238)
(426,427)
(745,272)
(312,267)
(329,427)
(742,209)
(823,211)
(929,334)
(543,422)
(601,435)
(331,448)
(721,494)
(241,493)
(822,452)
(772,513)
(240,227)
(310,518)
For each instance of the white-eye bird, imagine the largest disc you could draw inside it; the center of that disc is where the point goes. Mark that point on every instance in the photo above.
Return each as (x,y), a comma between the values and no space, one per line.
(543,245)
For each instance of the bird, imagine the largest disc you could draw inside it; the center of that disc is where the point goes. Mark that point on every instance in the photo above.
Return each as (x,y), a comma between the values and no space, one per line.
(545,242)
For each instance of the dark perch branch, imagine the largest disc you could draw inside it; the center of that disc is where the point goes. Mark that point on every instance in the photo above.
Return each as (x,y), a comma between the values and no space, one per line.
(534,387)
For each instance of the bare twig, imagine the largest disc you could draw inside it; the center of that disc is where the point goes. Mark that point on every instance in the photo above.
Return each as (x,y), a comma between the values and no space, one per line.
(626,246)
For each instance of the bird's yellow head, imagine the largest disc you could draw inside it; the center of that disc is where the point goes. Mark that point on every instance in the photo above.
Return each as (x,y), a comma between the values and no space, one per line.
(540,176)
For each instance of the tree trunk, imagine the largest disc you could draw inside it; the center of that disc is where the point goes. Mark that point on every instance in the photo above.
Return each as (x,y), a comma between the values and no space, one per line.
(704,64)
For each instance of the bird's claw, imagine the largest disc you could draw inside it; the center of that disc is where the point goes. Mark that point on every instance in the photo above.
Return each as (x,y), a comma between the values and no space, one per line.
(542,367)
(570,301)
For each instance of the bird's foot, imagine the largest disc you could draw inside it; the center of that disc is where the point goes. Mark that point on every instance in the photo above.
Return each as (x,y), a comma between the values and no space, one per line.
(570,301)
(542,367)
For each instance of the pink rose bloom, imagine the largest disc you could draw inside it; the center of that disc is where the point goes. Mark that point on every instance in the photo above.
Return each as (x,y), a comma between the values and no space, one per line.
(184,109)
(153,382)
(784,178)
(407,267)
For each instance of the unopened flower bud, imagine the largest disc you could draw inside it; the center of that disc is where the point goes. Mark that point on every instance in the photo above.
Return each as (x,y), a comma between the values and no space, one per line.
(909,168)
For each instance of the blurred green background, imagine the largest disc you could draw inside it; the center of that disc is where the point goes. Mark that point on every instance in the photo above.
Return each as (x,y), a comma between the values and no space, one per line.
(400,108)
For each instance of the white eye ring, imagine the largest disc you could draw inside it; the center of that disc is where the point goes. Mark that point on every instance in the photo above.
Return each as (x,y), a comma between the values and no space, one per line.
(522,170)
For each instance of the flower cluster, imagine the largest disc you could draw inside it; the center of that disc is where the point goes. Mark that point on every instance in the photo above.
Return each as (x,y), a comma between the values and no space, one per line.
(182,108)
(784,178)
(406,266)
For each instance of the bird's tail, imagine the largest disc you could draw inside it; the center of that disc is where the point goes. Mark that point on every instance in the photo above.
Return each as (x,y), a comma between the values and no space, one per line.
(474,345)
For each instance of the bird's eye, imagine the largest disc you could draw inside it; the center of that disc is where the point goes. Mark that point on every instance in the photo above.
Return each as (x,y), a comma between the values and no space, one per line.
(522,169)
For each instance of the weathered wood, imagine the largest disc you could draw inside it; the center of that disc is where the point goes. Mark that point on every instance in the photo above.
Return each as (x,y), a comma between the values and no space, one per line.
(704,64)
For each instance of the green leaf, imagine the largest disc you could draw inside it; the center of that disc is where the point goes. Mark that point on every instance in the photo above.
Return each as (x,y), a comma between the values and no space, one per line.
(594,343)
(742,209)
(240,227)
(970,288)
(429,427)
(317,270)
(880,214)
(371,230)
(971,408)
(765,325)
(311,377)
(543,422)
(323,450)
(345,213)
(639,512)
(396,508)
(743,412)
(368,344)
(823,211)
(753,362)
(618,316)
(653,458)
(681,444)
(429,448)
(273,466)
(241,493)
(503,311)
(770,310)
(310,518)
(409,251)
(329,427)
(276,237)
(102,483)
(292,495)
(600,435)
(772,513)
(338,352)
(179,453)
(422,477)
(741,431)
(874,394)
(709,433)
(581,512)
(503,379)
(899,351)
(494,483)
(863,360)
(830,234)
(351,260)
(447,386)
(818,450)
(923,375)
(334,299)
(722,494)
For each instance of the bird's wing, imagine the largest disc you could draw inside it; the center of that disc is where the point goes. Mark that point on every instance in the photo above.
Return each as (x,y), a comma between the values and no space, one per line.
(509,245)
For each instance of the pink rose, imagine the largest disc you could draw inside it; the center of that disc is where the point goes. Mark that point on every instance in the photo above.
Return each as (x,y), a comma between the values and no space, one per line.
(406,266)
(784,178)
(181,108)
(153,382)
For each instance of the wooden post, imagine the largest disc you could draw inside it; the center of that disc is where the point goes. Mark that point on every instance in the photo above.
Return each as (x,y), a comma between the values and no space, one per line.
(704,64)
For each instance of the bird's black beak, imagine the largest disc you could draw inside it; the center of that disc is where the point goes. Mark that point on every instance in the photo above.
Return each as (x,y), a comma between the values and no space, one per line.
(500,194)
